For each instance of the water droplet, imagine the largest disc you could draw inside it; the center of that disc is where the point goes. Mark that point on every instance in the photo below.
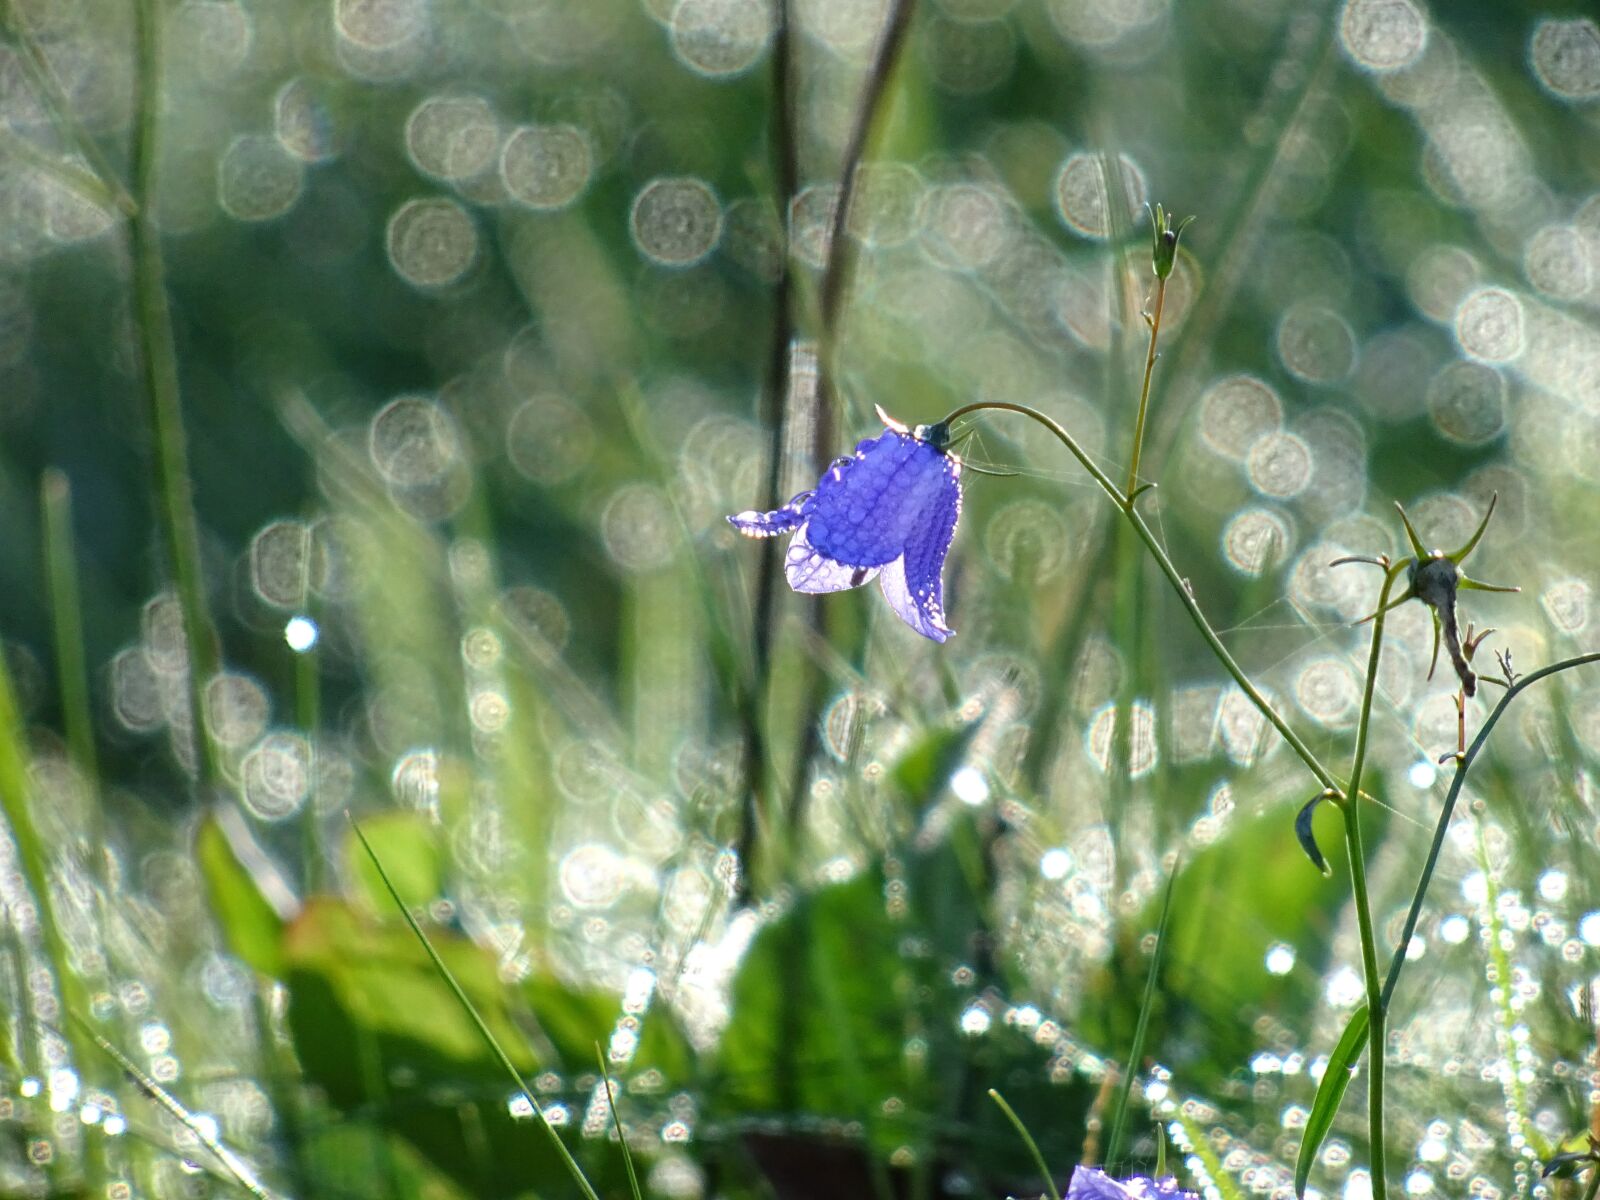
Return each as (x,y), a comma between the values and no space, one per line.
(1080,193)
(1316,344)
(1256,539)
(276,776)
(1489,325)
(546,166)
(1280,958)
(257,179)
(1235,412)
(1382,35)
(720,38)
(1466,401)
(452,137)
(1566,57)
(431,243)
(1279,465)
(676,221)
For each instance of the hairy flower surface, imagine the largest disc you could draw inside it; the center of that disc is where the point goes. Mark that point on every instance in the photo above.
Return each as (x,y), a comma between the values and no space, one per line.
(890,511)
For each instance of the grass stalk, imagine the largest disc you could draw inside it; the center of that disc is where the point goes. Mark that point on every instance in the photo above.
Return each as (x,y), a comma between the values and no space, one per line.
(616,1121)
(66,619)
(1179,585)
(153,317)
(1027,1140)
(1350,806)
(1146,1004)
(471,1009)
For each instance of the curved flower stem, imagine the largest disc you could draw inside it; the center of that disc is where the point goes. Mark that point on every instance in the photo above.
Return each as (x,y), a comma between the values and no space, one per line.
(1350,806)
(1144,390)
(1463,762)
(1146,535)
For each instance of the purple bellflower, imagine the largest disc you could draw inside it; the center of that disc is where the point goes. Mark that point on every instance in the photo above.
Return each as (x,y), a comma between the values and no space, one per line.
(1089,1183)
(890,511)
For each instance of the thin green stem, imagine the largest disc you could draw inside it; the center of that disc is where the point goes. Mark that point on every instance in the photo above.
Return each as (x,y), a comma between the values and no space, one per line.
(1593,1185)
(1146,1005)
(1185,596)
(160,364)
(1144,390)
(1027,1140)
(1463,762)
(471,1009)
(66,611)
(1350,805)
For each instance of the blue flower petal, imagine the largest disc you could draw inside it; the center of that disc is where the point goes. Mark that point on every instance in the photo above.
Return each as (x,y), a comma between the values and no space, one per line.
(892,507)
(1090,1183)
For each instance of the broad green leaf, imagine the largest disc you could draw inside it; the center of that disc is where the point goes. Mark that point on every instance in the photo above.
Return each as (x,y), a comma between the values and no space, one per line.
(251,925)
(1341,1066)
(408,847)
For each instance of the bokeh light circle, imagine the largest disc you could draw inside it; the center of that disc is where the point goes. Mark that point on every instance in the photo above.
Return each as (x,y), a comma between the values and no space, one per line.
(432,243)
(676,221)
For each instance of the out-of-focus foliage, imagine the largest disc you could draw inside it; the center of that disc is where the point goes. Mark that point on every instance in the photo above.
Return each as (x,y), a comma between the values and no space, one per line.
(483,325)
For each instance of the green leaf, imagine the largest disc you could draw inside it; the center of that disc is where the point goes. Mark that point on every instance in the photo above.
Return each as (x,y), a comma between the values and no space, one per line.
(249,922)
(1341,1066)
(408,847)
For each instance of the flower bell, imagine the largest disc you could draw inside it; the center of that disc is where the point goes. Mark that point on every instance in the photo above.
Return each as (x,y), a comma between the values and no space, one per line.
(889,510)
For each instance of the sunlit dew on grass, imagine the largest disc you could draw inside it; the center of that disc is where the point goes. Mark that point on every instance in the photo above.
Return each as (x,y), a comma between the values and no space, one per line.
(1489,325)
(1315,344)
(1235,412)
(380,24)
(720,38)
(280,563)
(676,221)
(964,225)
(257,179)
(1255,540)
(275,776)
(1566,603)
(1559,261)
(415,781)
(431,242)
(1080,189)
(546,167)
(1279,465)
(1467,402)
(1440,278)
(1101,738)
(1565,56)
(301,123)
(638,529)
(1382,35)
(1328,692)
(1100,24)
(811,217)
(1028,541)
(888,197)
(452,137)
(412,442)
(236,709)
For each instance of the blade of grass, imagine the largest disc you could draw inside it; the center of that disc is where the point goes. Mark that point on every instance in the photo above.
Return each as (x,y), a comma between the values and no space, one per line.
(1330,1092)
(1027,1140)
(616,1120)
(159,356)
(66,618)
(241,1171)
(478,1022)
(1136,1052)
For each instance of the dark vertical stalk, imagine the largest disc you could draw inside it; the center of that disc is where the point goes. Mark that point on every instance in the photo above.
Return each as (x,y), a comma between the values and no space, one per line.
(159,358)
(774,408)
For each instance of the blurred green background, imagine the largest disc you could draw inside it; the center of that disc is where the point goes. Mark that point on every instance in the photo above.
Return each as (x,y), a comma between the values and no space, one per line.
(483,321)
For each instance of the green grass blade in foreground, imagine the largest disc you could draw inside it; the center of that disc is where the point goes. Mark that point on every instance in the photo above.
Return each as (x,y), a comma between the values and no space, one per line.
(1335,1079)
(1136,1052)
(477,1020)
(1027,1140)
(616,1119)
(231,1162)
